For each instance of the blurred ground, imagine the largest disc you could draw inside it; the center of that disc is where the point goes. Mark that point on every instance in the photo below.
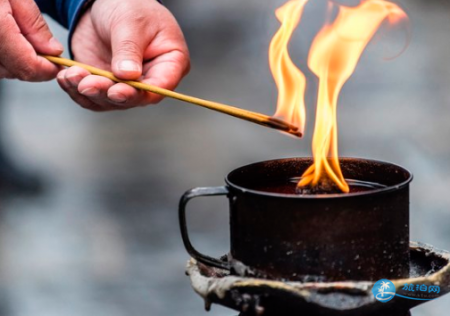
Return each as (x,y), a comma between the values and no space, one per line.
(103,238)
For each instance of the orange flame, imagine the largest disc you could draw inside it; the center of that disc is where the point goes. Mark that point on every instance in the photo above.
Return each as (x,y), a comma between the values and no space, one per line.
(289,79)
(333,57)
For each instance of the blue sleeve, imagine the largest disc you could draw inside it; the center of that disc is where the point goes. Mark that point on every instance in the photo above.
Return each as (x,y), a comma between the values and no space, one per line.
(66,12)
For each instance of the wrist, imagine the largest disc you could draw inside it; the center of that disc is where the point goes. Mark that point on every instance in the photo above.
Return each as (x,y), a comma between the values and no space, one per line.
(76,13)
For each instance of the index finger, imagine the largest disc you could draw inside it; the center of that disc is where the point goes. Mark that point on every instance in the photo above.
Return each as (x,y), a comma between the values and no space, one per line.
(17,54)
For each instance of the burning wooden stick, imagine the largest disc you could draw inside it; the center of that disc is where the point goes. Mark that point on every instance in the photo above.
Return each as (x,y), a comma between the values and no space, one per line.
(250,116)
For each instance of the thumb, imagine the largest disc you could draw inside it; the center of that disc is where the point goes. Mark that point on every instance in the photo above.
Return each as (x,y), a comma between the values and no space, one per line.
(127,52)
(34,28)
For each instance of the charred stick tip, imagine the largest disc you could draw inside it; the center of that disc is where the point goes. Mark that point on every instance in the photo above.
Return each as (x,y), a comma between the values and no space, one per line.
(284,126)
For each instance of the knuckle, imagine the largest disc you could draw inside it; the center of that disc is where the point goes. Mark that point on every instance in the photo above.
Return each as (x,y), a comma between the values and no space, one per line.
(128,47)
(187,67)
(37,24)
(123,13)
(181,61)
(139,19)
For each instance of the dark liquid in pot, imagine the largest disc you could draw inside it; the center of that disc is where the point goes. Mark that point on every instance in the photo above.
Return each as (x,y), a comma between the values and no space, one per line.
(289,186)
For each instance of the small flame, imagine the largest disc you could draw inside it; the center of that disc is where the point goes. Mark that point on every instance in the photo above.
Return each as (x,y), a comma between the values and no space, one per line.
(333,57)
(289,79)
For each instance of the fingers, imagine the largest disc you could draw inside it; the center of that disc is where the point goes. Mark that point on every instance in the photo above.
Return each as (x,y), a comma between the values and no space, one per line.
(34,28)
(69,83)
(96,93)
(127,49)
(70,79)
(169,63)
(101,94)
(128,33)
(17,55)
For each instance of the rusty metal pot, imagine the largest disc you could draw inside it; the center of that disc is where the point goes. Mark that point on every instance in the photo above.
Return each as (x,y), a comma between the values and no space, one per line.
(355,236)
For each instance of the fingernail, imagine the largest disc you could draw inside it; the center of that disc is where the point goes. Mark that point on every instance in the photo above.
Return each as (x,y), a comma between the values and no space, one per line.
(74,80)
(56,45)
(90,92)
(62,80)
(117,97)
(129,65)
(61,75)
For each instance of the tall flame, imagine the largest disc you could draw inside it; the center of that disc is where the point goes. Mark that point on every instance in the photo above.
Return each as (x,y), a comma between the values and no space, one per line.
(289,79)
(333,57)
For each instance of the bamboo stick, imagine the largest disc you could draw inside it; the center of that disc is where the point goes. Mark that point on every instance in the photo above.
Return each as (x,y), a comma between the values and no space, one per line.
(250,116)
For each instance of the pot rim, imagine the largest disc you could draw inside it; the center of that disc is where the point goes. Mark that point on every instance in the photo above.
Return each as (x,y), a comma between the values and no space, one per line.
(387,189)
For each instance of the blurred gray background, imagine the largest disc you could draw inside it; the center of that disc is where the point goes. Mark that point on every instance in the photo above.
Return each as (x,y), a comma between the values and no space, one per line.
(102,237)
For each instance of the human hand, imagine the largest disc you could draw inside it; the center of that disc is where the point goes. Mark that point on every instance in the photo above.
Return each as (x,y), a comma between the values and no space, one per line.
(23,34)
(136,40)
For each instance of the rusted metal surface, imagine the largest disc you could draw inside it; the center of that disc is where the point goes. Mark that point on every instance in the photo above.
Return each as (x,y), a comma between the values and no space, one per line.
(252,296)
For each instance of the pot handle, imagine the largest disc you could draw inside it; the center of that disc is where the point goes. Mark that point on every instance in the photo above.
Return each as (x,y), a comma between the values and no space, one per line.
(198,192)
